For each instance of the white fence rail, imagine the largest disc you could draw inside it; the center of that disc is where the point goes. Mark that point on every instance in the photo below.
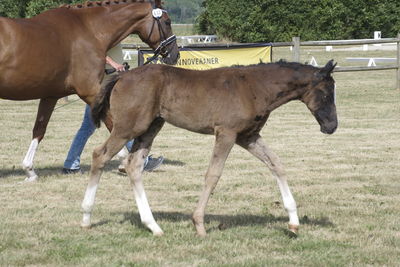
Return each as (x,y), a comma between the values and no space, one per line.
(296,44)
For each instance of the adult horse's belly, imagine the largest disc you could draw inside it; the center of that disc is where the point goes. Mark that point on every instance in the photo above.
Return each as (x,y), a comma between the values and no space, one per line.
(31,81)
(20,87)
(32,68)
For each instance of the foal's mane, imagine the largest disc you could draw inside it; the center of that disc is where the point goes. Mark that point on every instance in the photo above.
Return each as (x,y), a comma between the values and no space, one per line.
(281,63)
(102,3)
(293,65)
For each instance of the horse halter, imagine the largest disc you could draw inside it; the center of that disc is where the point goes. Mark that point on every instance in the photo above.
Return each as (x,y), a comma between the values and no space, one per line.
(161,49)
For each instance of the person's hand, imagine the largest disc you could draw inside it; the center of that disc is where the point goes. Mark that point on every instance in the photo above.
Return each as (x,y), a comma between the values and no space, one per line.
(118,67)
(114,64)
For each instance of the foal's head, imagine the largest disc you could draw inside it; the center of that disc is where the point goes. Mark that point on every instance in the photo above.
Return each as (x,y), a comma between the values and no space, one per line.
(320,98)
(158,29)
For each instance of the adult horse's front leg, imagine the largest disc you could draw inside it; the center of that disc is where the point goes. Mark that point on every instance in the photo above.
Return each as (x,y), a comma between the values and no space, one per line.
(224,141)
(259,149)
(46,107)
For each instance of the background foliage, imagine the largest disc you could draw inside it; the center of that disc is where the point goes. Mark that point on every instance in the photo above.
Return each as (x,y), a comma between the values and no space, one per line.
(181,11)
(273,20)
(263,20)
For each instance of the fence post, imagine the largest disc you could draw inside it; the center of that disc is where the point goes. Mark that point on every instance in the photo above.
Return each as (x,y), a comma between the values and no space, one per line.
(398,61)
(296,49)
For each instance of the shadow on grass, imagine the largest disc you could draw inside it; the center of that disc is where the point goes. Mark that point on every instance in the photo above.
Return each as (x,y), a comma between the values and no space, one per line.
(17,171)
(52,171)
(225,221)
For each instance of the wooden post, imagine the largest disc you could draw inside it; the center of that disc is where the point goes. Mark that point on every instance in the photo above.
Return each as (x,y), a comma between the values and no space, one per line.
(398,61)
(296,49)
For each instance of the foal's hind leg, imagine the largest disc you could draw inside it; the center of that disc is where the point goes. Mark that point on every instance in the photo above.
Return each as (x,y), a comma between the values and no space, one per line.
(258,148)
(224,142)
(134,169)
(101,155)
(46,107)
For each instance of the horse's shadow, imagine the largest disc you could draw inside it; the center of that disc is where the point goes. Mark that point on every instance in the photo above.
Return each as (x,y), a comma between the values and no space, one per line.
(224,221)
(56,170)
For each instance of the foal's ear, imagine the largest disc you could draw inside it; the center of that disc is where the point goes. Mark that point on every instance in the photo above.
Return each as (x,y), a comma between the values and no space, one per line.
(327,70)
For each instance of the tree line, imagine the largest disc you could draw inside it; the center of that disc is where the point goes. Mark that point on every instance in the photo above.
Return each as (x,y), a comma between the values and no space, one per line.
(280,20)
(263,20)
(180,11)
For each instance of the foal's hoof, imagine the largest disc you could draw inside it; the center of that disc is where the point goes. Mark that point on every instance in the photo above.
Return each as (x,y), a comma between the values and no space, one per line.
(160,233)
(31,179)
(201,233)
(293,231)
(86,226)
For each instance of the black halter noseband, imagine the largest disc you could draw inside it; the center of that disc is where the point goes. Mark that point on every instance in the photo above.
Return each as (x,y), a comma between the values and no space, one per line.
(161,49)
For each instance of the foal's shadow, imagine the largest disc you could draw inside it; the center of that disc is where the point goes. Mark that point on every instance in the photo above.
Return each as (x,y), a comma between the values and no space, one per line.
(225,221)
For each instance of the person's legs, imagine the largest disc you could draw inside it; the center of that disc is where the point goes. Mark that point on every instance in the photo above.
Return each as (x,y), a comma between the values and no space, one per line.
(72,162)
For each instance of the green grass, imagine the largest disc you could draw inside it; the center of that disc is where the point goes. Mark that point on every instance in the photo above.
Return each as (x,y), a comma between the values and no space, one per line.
(346,185)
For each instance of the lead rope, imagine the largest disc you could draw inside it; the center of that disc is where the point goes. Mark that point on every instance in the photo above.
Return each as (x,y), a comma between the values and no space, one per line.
(66,104)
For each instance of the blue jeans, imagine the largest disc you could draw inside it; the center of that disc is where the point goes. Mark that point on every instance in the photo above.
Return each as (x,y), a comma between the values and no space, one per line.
(87,128)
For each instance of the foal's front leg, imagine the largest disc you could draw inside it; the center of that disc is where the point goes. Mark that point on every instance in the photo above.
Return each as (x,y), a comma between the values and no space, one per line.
(134,169)
(223,144)
(259,149)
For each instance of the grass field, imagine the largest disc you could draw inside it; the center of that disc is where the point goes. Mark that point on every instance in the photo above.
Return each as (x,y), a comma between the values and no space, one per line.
(347,187)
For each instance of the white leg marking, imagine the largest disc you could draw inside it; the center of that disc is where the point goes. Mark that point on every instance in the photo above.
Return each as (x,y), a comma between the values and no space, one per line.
(27,163)
(146,216)
(135,175)
(288,201)
(123,153)
(87,204)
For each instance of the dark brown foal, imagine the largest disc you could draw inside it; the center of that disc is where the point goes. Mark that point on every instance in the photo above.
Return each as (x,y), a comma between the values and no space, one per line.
(231,103)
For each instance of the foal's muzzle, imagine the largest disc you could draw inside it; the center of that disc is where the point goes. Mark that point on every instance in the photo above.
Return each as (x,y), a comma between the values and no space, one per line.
(327,120)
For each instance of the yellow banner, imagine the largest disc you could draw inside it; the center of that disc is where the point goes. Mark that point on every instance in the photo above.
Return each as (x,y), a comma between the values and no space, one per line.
(206,58)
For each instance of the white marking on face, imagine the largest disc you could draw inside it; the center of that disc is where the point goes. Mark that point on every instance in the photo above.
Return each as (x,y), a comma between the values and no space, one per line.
(334,94)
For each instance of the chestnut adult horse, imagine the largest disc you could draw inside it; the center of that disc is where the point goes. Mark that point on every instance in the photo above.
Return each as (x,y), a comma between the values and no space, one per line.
(62,52)
(231,103)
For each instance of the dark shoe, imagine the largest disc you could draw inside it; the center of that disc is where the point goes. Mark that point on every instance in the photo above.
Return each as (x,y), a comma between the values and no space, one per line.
(153,163)
(71,171)
(121,168)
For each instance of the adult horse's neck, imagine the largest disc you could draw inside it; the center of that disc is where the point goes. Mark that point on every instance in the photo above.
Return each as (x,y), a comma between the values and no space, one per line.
(112,23)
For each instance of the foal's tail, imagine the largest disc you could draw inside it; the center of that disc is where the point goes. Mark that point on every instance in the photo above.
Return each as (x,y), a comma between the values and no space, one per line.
(101,105)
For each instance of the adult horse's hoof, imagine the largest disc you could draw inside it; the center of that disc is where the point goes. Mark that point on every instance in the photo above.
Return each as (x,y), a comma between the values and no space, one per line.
(293,231)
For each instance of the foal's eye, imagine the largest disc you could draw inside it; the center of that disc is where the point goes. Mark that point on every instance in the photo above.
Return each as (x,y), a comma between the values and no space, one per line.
(326,98)
(168,22)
